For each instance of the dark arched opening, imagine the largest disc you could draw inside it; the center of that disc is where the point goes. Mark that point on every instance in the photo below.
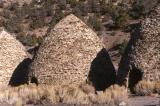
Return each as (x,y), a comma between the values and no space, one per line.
(20,74)
(135,76)
(102,72)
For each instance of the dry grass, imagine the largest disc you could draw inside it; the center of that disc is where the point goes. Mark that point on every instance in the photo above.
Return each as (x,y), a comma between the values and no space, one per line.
(147,88)
(119,94)
(72,95)
(28,94)
(157,87)
(114,95)
(69,94)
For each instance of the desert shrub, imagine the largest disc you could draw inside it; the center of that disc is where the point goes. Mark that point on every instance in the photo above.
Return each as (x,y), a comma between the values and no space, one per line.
(112,96)
(157,87)
(95,23)
(119,16)
(62,4)
(58,15)
(104,9)
(23,11)
(87,88)
(37,23)
(138,12)
(145,88)
(73,95)
(14,15)
(37,15)
(6,13)
(28,94)
(76,11)
(83,8)
(1,22)
(12,25)
(37,19)
(47,8)
(94,6)
(121,20)
(119,94)
(29,40)
(122,47)
(141,8)
(69,94)
(13,6)
(1,4)
(73,3)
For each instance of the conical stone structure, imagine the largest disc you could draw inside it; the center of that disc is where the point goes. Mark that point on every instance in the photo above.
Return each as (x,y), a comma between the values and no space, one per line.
(12,53)
(66,54)
(141,60)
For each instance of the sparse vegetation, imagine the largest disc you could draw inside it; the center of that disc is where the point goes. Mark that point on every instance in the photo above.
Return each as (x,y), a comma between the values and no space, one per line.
(147,88)
(24,20)
(122,47)
(29,40)
(35,13)
(157,87)
(1,4)
(70,94)
(95,23)
(114,95)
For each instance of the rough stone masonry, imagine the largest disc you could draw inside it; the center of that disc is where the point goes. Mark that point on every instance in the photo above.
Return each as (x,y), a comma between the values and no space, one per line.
(141,60)
(66,55)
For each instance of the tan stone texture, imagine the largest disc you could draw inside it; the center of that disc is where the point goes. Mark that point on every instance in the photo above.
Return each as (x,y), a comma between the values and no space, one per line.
(66,54)
(12,53)
(142,55)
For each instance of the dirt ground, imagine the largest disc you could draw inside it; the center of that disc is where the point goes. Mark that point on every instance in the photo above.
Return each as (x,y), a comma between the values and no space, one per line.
(144,101)
(133,101)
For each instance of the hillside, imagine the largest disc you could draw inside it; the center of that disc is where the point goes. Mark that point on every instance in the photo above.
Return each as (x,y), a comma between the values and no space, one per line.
(30,20)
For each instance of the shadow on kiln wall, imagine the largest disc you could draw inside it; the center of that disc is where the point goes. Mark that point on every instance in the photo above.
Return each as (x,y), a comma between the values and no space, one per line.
(102,72)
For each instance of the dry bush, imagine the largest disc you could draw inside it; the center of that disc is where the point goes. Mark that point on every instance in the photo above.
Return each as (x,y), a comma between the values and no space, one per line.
(69,94)
(144,88)
(11,96)
(72,95)
(101,98)
(119,94)
(88,89)
(157,87)
(114,95)
(28,94)
(49,92)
